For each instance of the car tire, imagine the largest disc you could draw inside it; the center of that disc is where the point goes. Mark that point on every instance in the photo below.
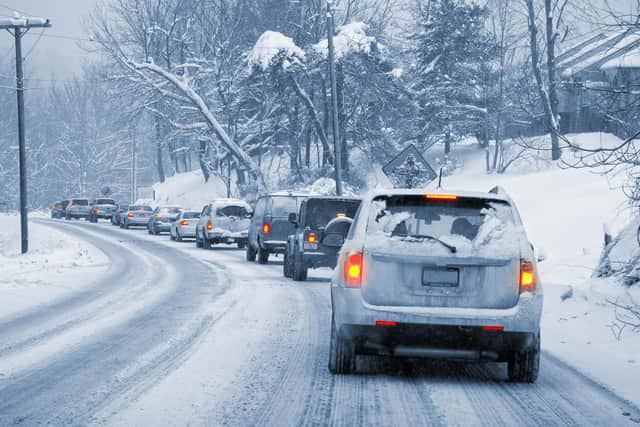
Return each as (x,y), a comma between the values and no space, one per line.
(125,225)
(263,255)
(524,366)
(286,266)
(178,237)
(251,253)
(206,243)
(198,241)
(342,355)
(241,245)
(67,218)
(300,270)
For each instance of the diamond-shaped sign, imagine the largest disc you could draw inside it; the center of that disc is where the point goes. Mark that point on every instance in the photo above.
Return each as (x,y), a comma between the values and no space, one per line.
(409,169)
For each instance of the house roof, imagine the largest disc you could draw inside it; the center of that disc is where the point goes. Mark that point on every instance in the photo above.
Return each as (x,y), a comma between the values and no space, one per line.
(600,53)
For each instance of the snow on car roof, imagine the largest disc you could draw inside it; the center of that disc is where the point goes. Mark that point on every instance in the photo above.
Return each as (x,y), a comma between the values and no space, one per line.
(229,202)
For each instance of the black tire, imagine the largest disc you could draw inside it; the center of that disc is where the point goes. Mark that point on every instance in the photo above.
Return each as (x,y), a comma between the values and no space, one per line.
(198,241)
(241,245)
(300,270)
(251,253)
(93,219)
(263,255)
(125,225)
(286,266)
(178,237)
(171,237)
(206,243)
(638,236)
(524,366)
(342,355)
(67,218)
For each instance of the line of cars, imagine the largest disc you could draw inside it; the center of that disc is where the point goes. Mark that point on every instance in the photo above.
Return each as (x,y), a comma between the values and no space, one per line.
(438,276)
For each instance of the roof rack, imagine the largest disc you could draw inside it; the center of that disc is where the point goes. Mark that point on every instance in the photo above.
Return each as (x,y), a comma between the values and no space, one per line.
(498,190)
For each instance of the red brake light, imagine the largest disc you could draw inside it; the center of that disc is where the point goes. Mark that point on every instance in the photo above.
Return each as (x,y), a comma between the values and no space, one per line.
(386,323)
(209,225)
(312,238)
(97,210)
(184,222)
(527,276)
(354,270)
(441,197)
(493,328)
(266,228)
(130,214)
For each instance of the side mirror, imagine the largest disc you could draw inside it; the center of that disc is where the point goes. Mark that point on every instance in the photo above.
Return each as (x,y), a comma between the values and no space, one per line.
(541,255)
(293,218)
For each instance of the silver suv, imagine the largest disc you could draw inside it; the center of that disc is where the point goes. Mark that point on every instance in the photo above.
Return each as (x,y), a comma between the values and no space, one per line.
(77,208)
(224,221)
(437,275)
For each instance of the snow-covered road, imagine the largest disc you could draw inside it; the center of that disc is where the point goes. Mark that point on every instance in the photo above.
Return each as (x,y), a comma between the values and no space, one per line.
(174,335)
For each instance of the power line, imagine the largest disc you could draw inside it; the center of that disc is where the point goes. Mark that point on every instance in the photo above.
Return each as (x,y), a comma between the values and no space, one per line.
(13,9)
(35,44)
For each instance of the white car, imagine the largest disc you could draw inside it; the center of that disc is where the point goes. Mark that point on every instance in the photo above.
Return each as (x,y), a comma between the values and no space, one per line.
(224,221)
(184,226)
(440,276)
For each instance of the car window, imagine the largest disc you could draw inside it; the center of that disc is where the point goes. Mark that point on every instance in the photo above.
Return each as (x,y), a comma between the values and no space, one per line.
(233,210)
(319,212)
(191,215)
(282,206)
(80,202)
(105,202)
(169,210)
(260,207)
(140,208)
(417,217)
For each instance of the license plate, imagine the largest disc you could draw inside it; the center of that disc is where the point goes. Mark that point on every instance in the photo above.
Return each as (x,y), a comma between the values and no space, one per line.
(440,277)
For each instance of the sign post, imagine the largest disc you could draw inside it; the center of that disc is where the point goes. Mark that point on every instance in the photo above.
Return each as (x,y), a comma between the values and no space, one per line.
(409,169)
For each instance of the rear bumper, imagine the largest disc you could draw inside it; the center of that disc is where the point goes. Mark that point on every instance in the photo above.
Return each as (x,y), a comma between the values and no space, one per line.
(350,309)
(228,236)
(162,226)
(186,231)
(275,246)
(78,213)
(136,221)
(320,259)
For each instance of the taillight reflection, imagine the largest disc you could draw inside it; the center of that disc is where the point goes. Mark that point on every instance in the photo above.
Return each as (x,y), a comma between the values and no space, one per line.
(184,222)
(266,228)
(312,238)
(354,270)
(130,214)
(209,225)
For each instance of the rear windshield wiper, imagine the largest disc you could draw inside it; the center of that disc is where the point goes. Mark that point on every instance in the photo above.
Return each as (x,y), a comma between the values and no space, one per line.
(452,248)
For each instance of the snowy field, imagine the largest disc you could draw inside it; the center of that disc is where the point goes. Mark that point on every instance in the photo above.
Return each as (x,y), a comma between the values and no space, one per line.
(57,266)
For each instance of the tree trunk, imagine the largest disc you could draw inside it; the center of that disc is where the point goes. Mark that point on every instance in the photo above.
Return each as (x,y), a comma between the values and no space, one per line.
(553,89)
(344,152)
(159,160)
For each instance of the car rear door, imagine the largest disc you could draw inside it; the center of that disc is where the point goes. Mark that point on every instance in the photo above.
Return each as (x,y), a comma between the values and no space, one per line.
(406,271)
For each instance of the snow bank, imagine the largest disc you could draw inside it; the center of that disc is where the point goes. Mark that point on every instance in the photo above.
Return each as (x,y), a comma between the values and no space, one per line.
(56,266)
(351,38)
(270,46)
(327,187)
(189,190)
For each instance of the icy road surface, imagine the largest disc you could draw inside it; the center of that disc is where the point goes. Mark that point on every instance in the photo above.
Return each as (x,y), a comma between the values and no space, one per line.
(175,335)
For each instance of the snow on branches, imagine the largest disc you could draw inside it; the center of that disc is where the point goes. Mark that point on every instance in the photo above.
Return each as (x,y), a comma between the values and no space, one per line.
(273,47)
(351,38)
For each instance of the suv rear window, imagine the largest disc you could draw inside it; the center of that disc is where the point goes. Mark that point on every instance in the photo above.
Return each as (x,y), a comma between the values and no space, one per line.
(283,206)
(80,202)
(231,210)
(140,208)
(105,202)
(191,215)
(319,212)
(169,210)
(417,218)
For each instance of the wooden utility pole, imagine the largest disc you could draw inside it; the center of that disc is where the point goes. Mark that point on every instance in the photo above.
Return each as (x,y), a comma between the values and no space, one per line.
(20,26)
(334,100)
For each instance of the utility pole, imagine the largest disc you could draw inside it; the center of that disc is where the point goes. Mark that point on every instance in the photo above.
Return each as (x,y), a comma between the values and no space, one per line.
(20,26)
(134,172)
(334,99)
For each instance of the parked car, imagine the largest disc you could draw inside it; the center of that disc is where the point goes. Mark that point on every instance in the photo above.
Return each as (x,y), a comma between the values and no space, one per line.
(313,243)
(270,226)
(102,208)
(136,216)
(117,216)
(185,225)
(439,275)
(161,219)
(223,221)
(58,209)
(77,208)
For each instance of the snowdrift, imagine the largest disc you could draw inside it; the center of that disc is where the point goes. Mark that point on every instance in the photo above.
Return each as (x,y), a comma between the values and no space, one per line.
(189,190)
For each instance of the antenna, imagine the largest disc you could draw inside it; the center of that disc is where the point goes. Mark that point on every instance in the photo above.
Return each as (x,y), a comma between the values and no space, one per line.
(440,179)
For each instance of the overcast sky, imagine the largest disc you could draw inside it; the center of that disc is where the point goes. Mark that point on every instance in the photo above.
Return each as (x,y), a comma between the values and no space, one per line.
(50,57)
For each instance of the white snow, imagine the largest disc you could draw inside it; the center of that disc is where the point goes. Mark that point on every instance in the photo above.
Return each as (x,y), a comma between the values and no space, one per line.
(397,72)
(189,190)
(351,38)
(56,266)
(271,44)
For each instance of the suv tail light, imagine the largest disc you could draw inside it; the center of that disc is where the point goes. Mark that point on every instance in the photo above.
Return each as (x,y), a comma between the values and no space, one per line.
(354,270)
(209,225)
(184,222)
(527,276)
(312,238)
(266,228)
(97,210)
(130,214)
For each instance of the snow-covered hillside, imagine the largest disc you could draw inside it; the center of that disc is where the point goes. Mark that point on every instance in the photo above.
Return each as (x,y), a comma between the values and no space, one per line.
(189,190)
